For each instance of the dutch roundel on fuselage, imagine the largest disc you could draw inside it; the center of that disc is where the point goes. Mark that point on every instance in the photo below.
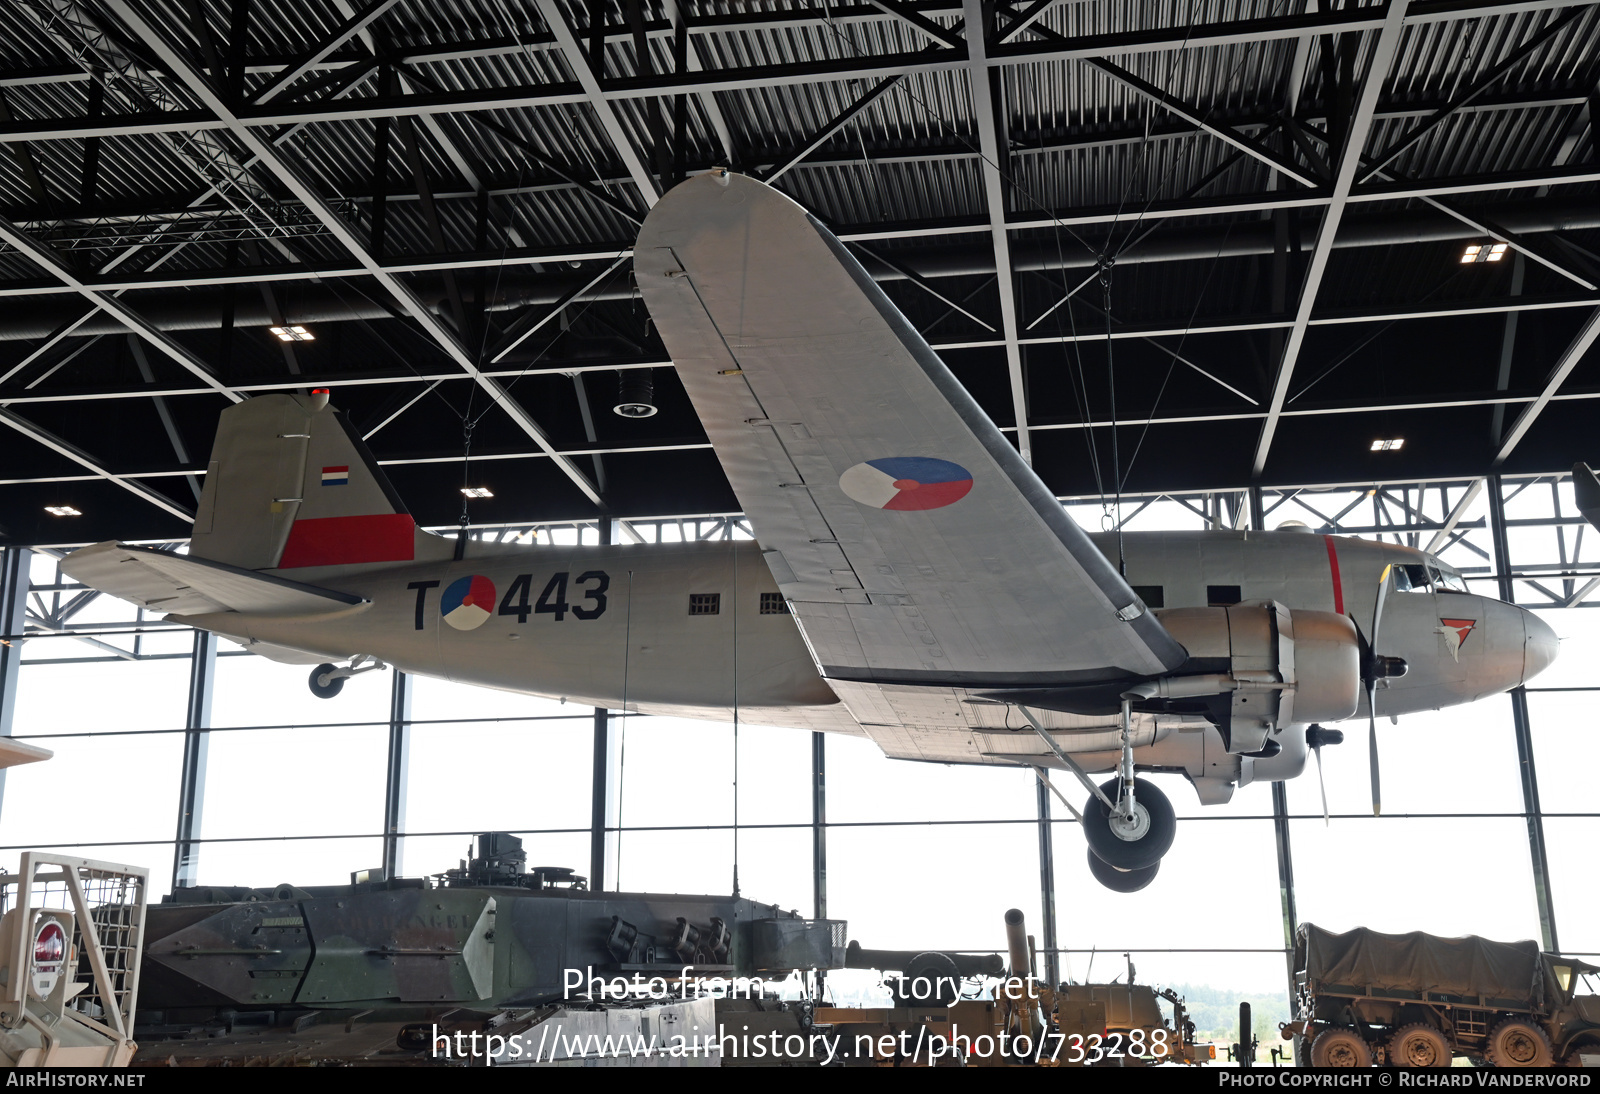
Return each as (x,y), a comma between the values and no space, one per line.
(906,483)
(468,602)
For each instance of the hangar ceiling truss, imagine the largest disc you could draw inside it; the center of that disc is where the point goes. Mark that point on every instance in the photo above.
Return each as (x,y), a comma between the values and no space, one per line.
(1229,233)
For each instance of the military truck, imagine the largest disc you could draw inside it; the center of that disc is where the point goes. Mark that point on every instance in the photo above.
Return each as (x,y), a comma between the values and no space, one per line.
(1417,1000)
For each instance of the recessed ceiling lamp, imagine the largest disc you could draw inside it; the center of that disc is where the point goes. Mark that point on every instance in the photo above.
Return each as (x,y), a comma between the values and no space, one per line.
(293,334)
(477,492)
(1483,252)
(62,511)
(1391,445)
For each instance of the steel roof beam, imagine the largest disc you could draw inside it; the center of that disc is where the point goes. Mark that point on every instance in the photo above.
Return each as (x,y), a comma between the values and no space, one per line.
(314,56)
(46,258)
(1200,120)
(590,81)
(908,15)
(1481,85)
(701,446)
(996,172)
(302,188)
(1569,360)
(64,448)
(1379,59)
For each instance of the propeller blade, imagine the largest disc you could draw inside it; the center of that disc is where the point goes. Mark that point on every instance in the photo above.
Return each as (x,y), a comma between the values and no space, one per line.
(1372,746)
(1377,608)
(1323,787)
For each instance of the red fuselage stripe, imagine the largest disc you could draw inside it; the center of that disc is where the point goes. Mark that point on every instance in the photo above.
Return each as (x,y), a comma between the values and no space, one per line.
(1333,565)
(342,541)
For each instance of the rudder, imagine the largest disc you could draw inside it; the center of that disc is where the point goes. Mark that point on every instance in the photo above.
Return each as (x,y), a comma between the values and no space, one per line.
(291,485)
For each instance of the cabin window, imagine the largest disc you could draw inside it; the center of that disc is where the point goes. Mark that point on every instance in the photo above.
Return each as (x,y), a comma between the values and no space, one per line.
(1153,596)
(705,603)
(773,604)
(1222,596)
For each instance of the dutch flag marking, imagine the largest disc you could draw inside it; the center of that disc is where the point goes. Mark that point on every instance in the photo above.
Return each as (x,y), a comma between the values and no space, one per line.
(336,476)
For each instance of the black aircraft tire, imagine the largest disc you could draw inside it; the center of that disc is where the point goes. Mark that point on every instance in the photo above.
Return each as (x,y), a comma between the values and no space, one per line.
(1419,1045)
(331,688)
(1130,854)
(1121,881)
(1340,1048)
(1519,1042)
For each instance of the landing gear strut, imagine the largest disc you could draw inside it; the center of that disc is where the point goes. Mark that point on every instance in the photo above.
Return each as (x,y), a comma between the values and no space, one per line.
(1128,822)
(328,680)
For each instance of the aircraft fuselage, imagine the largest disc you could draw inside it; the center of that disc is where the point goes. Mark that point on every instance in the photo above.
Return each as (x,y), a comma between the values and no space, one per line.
(668,629)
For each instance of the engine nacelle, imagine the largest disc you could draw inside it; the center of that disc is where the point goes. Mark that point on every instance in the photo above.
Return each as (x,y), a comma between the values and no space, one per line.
(1255,669)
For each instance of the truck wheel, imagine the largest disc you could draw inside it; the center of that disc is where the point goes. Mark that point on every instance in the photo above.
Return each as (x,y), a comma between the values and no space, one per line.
(1518,1042)
(1147,839)
(1419,1045)
(1340,1048)
(1575,1055)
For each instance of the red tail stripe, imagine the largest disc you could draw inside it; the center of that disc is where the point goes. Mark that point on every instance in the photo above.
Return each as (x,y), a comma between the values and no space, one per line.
(1333,565)
(343,541)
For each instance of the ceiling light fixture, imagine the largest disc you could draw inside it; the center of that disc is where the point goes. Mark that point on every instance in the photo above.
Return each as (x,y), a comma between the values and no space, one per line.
(1391,445)
(1483,252)
(293,334)
(62,511)
(477,492)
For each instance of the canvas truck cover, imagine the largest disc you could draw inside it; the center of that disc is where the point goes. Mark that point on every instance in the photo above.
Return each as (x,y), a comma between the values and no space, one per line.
(1510,973)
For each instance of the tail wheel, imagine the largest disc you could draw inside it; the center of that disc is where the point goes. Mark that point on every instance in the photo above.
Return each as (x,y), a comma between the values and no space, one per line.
(1340,1048)
(1419,1045)
(325,690)
(1121,881)
(1517,1042)
(1136,844)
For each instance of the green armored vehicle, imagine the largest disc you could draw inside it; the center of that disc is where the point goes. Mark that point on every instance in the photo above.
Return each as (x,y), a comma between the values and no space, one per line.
(1417,1000)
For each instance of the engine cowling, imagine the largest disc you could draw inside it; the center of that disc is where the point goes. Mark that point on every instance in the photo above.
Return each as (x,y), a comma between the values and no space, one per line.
(1256,669)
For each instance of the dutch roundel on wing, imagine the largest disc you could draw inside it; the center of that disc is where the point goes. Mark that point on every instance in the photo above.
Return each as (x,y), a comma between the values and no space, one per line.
(468,602)
(906,483)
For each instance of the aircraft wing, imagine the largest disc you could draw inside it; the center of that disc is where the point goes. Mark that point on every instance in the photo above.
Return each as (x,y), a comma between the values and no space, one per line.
(180,585)
(911,540)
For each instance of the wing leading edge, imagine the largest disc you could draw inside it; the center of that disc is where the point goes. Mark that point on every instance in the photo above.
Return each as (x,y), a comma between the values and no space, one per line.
(912,541)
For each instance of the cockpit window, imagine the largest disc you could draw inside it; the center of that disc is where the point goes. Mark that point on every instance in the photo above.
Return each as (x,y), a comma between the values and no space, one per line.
(1411,579)
(1427,577)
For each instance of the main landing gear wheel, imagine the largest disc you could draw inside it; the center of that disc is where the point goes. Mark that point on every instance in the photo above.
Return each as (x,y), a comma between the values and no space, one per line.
(1130,844)
(1340,1048)
(324,686)
(1517,1042)
(1121,881)
(1419,1045)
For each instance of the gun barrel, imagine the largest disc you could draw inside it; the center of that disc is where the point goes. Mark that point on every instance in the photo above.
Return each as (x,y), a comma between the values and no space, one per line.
(1017,943)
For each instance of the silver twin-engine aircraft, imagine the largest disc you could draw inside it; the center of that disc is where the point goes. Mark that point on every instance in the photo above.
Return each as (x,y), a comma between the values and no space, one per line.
(912,580)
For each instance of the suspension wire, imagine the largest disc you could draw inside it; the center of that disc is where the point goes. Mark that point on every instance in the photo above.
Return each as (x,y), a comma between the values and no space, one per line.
(622,729)
(1370,338)
(1172,362)
(734,552)
(1127,240)
(1106,263)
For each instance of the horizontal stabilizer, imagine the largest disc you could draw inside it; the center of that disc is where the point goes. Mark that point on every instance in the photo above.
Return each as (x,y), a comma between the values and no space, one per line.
(180,585)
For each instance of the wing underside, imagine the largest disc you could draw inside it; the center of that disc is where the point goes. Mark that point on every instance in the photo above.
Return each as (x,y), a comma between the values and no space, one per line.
(913,543)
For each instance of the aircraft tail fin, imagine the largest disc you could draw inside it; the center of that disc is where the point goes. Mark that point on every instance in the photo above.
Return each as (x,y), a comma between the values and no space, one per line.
(290,486)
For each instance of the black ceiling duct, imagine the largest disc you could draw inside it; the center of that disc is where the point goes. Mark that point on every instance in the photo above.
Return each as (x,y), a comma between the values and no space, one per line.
(636,393)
